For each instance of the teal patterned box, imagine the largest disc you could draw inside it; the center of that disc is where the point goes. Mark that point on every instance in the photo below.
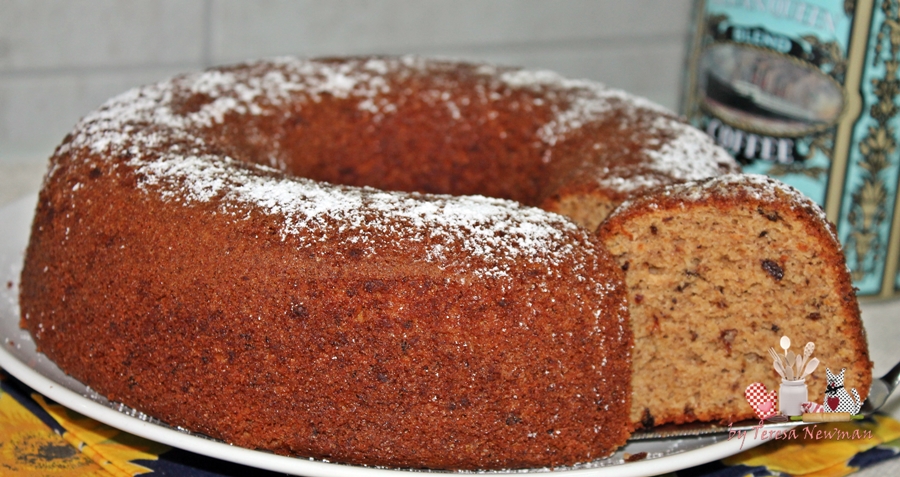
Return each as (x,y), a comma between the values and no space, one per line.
(807,92)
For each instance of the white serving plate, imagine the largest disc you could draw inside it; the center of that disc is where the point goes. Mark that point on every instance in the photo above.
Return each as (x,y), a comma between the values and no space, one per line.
(19,357)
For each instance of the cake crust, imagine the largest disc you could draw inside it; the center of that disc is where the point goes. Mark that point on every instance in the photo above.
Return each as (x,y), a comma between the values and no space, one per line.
(363,260)
(193,257)
(339,350)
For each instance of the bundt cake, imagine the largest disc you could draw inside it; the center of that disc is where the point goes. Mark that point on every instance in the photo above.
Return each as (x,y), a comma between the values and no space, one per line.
(717,272)
(220,251)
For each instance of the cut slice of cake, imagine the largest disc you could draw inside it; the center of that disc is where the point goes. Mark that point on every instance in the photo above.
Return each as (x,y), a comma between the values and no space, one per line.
(717,272)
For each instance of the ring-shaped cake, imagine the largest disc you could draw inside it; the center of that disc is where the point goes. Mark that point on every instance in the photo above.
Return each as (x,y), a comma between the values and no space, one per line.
(348,259)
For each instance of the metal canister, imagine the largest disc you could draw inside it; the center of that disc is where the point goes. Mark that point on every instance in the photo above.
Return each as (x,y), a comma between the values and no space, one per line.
(807,92)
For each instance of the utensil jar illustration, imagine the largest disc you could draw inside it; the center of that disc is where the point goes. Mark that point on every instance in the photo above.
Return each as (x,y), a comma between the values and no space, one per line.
(791,395)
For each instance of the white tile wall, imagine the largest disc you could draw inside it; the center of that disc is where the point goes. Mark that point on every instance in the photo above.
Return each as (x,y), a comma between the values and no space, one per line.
(60,59)
(243,29)
(40,35)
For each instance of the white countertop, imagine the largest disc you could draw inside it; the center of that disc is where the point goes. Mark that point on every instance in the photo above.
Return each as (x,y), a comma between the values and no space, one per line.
(20,178)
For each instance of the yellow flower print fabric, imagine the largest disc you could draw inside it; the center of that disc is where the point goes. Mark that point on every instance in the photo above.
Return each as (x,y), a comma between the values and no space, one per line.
(111,448)
(39,437)
(29,447)
(825,450)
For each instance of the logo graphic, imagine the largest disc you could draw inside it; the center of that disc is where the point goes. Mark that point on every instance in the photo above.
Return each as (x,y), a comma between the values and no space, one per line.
(762,400)
(837,399)
(792,398)
(791,403)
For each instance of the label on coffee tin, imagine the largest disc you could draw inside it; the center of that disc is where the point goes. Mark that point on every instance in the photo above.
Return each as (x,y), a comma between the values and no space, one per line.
(807,92)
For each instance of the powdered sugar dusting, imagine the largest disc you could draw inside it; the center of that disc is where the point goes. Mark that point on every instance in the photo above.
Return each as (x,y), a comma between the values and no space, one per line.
(133,118)
(495,229)
(589,100)
(754,186)
(689,156)
(159,129)
(145,117)
(167,150)
(681,157)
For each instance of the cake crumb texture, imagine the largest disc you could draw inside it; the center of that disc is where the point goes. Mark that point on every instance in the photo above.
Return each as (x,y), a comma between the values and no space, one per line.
(717,272)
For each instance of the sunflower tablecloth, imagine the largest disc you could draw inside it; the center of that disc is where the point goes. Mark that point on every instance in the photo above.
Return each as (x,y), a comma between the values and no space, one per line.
(40,437)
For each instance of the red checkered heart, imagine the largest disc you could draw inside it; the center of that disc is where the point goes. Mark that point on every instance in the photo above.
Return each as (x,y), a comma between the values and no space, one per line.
(761,400)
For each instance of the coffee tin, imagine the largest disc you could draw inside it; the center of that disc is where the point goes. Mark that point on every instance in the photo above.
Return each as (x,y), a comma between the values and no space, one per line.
(807,92)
